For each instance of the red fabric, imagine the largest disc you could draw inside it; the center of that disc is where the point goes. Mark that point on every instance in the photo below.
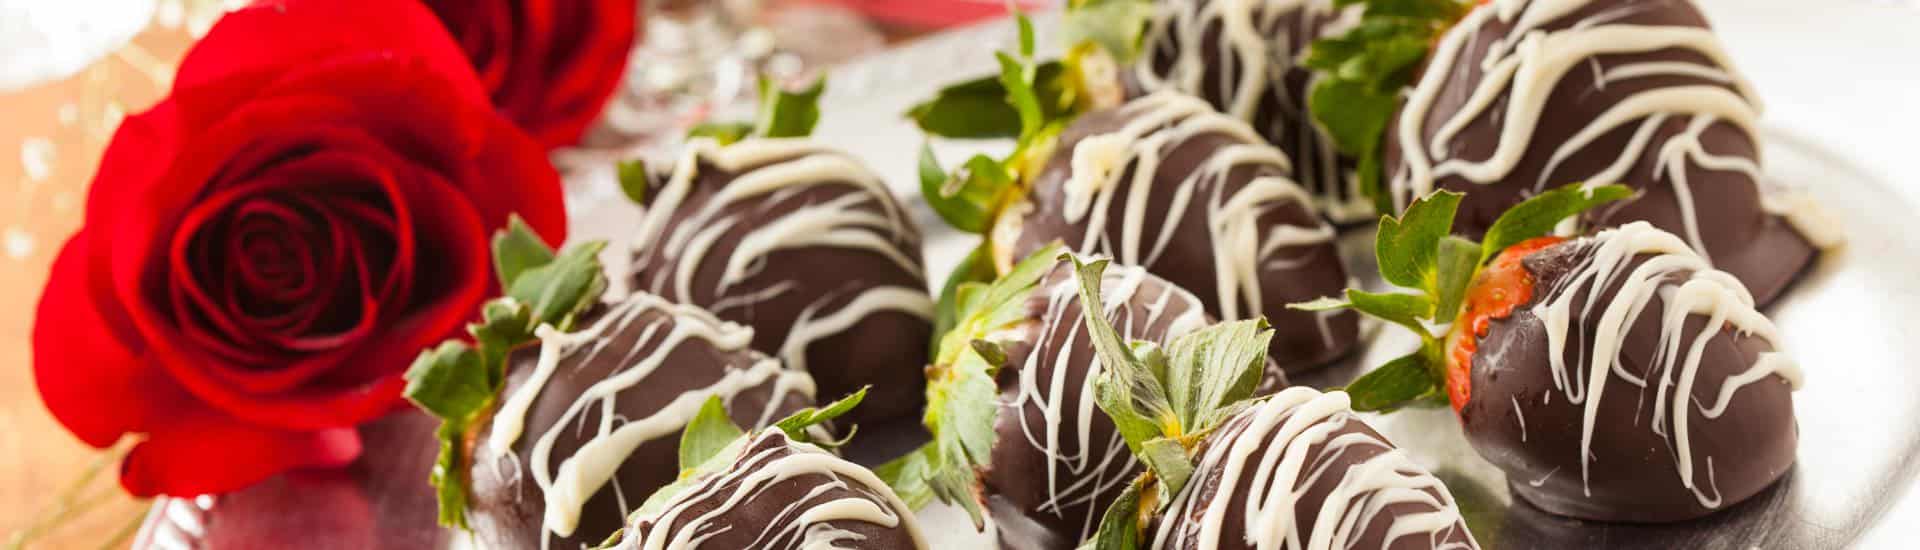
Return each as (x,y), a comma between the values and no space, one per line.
(267,249)
(549,65)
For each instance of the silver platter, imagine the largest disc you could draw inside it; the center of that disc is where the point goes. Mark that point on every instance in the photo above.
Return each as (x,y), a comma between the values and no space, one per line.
(1836,78)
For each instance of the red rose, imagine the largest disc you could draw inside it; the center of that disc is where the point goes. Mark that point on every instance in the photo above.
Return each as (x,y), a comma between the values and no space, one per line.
(266,250)
(549,64)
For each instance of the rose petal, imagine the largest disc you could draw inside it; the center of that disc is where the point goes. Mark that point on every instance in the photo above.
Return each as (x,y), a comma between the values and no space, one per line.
(570,85)
(485,31)
(142,149)
(454,266)
(200,451)
(509,177)
(94,383)
(274,37)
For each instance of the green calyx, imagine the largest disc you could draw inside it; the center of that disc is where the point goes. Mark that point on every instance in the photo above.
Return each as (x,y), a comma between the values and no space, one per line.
(1027,100)
(1360,75)
(1165,400)
(458,382)
(1416,251)
(781,114)
(961,391)
(1116,26)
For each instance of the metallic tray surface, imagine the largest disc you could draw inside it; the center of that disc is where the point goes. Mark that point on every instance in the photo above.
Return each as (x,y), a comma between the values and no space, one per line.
(1835,92)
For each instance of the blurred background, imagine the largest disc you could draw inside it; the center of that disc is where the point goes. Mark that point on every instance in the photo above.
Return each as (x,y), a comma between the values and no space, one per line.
(71,70)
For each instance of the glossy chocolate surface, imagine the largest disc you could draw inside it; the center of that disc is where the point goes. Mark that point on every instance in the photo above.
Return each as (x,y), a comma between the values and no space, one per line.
(1286,273)
(1520,419)
(507,506)
(1575,138)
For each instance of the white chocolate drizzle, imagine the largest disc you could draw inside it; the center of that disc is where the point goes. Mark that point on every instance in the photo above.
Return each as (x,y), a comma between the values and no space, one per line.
(1272,445)
(1257,44)
(1686,287)
(805,524)
(1244,252)
(867,219)
(1081,478)
(615,438)
(1526,66)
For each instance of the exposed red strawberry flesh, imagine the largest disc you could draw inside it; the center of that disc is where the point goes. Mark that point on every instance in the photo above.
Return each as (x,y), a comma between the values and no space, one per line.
(1496,291)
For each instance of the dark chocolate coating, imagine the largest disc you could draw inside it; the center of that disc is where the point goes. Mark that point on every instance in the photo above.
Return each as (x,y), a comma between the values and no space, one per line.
(1634,476)
(1309,500)
(506,506)
(1281,114)
(1019,495)
(766,514)
(1311,271)
(1760,248)
(886,349)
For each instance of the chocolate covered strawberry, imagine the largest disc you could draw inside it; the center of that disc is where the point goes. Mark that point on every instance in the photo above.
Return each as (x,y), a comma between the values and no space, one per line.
(1224,471)
(1613,377)
(1162,181)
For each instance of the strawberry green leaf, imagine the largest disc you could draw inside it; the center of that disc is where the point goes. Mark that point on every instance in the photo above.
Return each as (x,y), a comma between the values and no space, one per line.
(1025,27)
(1116,26)
(1215,366)
(978,108)
(969,198)
(1125,387)
(1361,72)
(1168,461)
(796,425)
(1424,9)
(504,324)
(1455,265)
(559,290)
(1120,526)
(710,431)
(1394,384)
(788,114)
(1537,216)
(635,180)
(910,476)
(1407,246)
(1402,309)
(977,267)
(1017,77)
(725,133)
(449,381)
(516,249)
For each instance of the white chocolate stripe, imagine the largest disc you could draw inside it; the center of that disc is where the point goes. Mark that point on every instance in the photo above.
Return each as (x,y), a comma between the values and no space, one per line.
(1687,287)
(679,527)
(1270,447)
(1243,255)
(582,474)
